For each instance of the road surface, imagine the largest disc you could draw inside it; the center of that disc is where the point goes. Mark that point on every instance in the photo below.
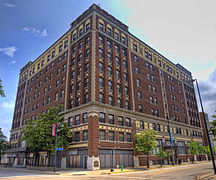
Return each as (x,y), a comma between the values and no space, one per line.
(186,172)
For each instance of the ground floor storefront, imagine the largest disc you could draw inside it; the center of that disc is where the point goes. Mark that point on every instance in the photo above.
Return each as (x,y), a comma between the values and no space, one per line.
(107,158)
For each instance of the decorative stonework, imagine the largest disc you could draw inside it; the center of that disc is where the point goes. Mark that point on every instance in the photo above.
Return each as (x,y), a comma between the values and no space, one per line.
(15,164)
(136,161)
(93,163)
(92,114)
(63,163)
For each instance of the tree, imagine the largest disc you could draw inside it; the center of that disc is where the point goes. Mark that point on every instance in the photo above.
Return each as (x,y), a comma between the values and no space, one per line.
(38,133)
(202,149)
(208,152)
(161,154)
(193,147)
(1,89)
(145,142)
(213,123)
(3,145)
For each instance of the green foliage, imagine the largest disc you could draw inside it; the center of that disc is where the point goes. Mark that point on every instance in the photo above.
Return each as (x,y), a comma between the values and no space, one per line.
(202,149)
(3,144)
(145,141)
(1,89)
(213,123)
(38,133)
(193,147)
(161,153)
(207,150)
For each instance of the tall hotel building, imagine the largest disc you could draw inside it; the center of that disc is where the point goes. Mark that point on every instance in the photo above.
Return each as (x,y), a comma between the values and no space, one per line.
(111,86)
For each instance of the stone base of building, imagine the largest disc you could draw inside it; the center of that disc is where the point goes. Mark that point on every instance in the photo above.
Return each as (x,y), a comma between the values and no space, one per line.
(136,161)
(63,163)
(93,163)
(15,164)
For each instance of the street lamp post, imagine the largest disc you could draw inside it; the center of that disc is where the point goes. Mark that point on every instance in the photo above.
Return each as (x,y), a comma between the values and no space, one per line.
(170,142)
(56,139)
(210,146)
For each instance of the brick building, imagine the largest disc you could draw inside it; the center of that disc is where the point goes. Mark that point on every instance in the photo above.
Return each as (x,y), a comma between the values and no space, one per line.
(112,86)
(209,126)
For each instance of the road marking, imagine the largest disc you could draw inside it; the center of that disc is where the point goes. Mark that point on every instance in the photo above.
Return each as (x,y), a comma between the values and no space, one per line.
(170,170)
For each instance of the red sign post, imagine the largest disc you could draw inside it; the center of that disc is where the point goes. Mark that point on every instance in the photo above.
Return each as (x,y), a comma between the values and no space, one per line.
(54,129)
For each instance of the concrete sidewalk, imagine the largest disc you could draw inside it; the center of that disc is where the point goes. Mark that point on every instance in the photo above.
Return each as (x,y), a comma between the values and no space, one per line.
(79,171)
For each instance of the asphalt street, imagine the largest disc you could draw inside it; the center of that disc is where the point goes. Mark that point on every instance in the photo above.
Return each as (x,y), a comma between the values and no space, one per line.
(187,172)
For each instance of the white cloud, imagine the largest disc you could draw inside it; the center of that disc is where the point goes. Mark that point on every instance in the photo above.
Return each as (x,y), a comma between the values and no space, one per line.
(35,31)
(13,62)
(8,105)
(9,51)
(8,5)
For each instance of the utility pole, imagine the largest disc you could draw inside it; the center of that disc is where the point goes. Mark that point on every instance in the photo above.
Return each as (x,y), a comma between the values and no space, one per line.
(210,146)
(56,139)
(170,134)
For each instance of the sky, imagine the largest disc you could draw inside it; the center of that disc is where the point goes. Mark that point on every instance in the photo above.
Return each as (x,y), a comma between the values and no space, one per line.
(183,31)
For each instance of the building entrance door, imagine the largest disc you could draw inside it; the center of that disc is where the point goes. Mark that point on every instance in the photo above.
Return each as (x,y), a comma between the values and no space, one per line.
(85,159)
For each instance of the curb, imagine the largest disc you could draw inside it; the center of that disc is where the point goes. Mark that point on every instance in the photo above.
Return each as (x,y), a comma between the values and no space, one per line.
(116,172)
(30,171)
(205,176)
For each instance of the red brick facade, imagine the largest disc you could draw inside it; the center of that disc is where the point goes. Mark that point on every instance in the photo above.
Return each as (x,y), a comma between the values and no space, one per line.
(108,92)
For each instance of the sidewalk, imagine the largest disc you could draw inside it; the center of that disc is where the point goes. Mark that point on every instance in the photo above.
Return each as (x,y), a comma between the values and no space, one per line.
(79,171)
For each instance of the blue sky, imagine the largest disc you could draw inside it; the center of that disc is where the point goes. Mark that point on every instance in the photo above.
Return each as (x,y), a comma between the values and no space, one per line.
(183,31)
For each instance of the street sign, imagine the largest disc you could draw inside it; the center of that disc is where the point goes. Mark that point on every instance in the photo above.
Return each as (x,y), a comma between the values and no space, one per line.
(171,137)
(59,149)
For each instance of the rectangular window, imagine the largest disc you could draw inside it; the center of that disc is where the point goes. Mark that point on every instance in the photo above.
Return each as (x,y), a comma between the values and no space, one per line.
(129,139)
(121,136)
(65,44)
(85,135)
(181,151)
(116,35)
(141,125)
(74,37)
(102,135)
(100,40)
(86,98)
(108,44)
(78,101)
(126,91)
(110,85)
(53,54)
(111,119)
(123,40)
(85,118)
(109,71)
(87,27)
(116,49)
(135,47)
(80,32)
(70,122)
(101,117)
(77,120)
(101,27)
(111,136)
(101,98)
(101,83)
(110,99)
(101,68)
(120,121)
(100,53)
(60,48)
(109,57)
(128,123)
(109,31)
(77,136)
